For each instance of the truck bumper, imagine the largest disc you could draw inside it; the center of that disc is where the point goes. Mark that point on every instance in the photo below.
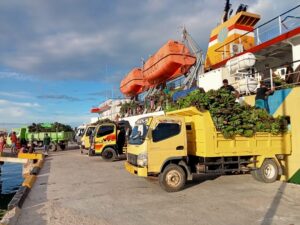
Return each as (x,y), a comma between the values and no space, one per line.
(140,171)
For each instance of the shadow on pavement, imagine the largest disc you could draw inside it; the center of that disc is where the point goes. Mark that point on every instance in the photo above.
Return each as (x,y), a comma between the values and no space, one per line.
(200,178)
(268,218)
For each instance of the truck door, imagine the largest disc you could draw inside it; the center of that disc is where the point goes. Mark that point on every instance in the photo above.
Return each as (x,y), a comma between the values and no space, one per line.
(105,135)
(167,142)
(86,136)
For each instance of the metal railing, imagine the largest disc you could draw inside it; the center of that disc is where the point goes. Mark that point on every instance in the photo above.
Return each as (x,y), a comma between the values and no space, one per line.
(281,24)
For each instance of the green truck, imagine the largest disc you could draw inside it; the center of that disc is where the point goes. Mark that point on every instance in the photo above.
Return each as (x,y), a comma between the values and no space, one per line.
(59,139)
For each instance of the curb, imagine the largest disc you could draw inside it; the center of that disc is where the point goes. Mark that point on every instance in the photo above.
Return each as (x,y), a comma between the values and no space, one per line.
(37,167)
(19,198)
(15,205)
(29,181)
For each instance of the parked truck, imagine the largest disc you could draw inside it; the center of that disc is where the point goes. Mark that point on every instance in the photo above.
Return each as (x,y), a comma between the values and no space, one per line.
(186,142)
(59,140)
(109,139)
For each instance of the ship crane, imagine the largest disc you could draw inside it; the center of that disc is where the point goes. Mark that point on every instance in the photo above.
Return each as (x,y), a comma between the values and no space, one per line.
(198,68)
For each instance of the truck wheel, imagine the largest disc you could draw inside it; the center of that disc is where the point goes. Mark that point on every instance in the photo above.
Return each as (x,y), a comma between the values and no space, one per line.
(255,175)
(109,154)
(53,147)
(62,146)
(40,144)
(91,152)
(173,178)
(268,172)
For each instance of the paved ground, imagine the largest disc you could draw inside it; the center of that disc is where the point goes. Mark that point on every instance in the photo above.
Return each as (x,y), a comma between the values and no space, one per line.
(76,189)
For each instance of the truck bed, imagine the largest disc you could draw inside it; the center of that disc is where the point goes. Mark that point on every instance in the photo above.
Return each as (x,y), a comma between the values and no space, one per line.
(205,141)
(55,136)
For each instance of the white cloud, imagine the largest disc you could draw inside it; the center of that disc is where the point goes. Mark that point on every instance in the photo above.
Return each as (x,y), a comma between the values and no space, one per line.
(29,112)
(14,75)
(10,113)
(15,94)
(6,103)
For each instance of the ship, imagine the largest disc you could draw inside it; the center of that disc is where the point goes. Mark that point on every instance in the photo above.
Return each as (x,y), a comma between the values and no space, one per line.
(241,52)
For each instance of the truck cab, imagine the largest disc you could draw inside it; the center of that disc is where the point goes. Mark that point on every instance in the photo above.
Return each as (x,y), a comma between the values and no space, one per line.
(79,133)
(154,143)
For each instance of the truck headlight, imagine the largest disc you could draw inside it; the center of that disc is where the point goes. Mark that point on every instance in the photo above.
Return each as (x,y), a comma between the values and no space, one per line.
(142,160)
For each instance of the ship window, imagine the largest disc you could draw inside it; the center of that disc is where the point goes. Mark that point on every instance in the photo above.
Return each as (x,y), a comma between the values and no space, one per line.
(105,130)
(164,131)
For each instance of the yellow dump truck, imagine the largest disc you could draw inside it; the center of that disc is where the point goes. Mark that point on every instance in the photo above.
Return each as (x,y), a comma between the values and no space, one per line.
(186,142)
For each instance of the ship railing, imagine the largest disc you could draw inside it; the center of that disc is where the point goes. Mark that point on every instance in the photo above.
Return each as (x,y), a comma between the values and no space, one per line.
(271,76)
(279,25)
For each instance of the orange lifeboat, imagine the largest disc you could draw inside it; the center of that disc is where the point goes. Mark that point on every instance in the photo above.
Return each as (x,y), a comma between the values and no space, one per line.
(169,62)
(133,83)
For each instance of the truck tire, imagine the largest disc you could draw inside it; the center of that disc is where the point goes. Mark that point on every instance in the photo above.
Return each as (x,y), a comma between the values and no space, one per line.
(173,178)
(255,175)
(91,152)
(268,172)
(40,144)
(53,147)
(62,146)
(109,154)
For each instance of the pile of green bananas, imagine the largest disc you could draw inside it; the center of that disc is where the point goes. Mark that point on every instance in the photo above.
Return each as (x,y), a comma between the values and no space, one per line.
(126,106)
(54,127)
(103,121)
(232,118)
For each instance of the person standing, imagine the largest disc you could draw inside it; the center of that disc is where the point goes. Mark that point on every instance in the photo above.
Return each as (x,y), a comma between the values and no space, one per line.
(14,139)
(47,141)
(121,139)
(91,140)
(230,88)
(261,98)
(289,74)
(2,143)
(31,148)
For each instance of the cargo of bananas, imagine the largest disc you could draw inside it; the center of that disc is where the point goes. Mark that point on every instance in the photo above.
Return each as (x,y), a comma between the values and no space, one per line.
(230,117)
(54,127)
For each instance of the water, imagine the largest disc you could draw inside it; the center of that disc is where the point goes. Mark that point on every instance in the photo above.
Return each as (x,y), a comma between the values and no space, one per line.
(10,180)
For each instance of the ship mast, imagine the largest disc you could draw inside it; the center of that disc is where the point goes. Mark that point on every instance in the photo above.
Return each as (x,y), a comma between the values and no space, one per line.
(226,11)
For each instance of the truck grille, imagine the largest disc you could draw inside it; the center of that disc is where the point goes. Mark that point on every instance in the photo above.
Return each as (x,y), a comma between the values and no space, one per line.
(132,159)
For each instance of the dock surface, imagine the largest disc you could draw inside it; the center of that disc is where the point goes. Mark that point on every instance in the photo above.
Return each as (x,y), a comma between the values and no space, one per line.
(76,189)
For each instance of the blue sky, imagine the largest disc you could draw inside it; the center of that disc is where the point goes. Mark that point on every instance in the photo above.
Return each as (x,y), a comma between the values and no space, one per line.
(58,58)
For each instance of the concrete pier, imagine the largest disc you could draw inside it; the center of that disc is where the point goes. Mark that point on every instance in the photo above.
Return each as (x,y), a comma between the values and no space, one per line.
(76,189)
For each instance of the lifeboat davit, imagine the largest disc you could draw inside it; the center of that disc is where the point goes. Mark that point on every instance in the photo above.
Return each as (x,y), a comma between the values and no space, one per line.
(133,83)
(169,62)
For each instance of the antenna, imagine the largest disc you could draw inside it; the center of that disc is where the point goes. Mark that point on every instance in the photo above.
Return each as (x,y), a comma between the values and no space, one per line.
(226,11)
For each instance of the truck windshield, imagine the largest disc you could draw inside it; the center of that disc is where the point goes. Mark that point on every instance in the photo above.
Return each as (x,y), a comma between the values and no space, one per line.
(140,131)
